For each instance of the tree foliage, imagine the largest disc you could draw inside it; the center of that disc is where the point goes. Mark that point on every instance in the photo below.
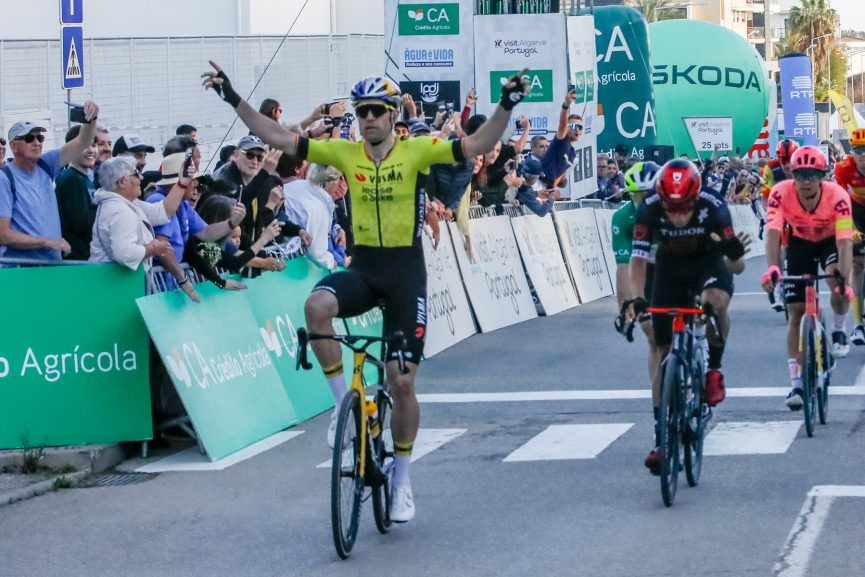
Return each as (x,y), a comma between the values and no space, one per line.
(656,10)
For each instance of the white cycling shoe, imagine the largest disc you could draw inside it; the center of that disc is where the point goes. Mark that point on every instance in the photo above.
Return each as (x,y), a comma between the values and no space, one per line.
(401,505)
(331,428)
(840,344)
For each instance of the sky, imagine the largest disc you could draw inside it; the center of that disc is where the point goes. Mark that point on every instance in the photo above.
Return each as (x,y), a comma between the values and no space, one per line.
(852,13)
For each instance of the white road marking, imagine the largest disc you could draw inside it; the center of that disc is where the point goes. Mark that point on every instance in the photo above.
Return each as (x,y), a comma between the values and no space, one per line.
(799,548)
(563,442)
(615,394)
(751,438)
(192,460)
(428,440)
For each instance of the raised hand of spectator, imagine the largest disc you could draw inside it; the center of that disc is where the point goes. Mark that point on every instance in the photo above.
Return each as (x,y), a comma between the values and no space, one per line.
(271,231)
(156,247)
(190,291)
(276,198)
(524,123)
(58,244)
(238,213)
(337,109)
(340,238)
(91,111)
(511,179)
(271,159)
(448,127)
(409,105)
(233,285)
(439,119)
(570,97)
(305,237)
(471,98)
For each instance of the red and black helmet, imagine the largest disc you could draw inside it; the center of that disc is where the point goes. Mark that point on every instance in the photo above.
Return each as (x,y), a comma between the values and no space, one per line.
(809,157)
(679,182)
(786,148)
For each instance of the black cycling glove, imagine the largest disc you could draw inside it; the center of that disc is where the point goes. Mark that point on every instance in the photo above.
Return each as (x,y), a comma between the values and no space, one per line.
(226,91)
(513,92)
(641,306)
(733,248)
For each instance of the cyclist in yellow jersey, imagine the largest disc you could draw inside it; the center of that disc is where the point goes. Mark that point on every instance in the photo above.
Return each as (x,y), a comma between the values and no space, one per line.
(388,216)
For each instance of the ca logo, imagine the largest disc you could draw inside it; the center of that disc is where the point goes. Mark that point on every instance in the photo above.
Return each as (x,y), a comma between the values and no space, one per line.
(177,368)
(416,14)
(271,340)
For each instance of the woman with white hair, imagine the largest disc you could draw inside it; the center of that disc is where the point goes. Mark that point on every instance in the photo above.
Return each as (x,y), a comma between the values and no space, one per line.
(123,231)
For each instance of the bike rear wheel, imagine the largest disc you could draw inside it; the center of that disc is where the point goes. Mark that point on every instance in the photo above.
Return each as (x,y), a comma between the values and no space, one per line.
(383,447)
(670,428)
(809,375)
(346,481)
(695,429)
(823,391)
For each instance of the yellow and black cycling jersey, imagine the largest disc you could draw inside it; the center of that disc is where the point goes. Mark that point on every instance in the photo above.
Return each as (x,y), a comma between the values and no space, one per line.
(387,207)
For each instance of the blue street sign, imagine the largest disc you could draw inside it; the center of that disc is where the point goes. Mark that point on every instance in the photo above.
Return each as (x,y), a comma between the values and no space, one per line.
(72,42)
(71,12)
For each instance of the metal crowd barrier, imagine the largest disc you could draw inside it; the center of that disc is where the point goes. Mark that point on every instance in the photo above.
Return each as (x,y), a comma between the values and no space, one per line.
(561,205)
(32,262)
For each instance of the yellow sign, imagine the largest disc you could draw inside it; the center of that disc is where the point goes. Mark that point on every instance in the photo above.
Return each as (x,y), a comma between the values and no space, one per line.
(846,116)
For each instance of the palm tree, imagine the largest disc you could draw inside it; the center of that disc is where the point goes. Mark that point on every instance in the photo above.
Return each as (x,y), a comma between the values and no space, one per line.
(815,23)
(654,10)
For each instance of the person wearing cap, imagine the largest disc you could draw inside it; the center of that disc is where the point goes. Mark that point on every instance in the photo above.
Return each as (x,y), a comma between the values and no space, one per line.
(246,163)
(561,153)
(75,191)
(419,129)
(29,217)
(185,222)
(132,145)
(850,175)
(123,229)
(532,172)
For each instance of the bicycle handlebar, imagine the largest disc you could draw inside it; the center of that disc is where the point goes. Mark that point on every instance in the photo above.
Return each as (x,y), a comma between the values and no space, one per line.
(397,342)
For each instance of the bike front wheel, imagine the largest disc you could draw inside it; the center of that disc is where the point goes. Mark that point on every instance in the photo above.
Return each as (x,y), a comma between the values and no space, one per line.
(346,479)
(823,391)
(695,430)
(383,446)
(809,375)
(670,428)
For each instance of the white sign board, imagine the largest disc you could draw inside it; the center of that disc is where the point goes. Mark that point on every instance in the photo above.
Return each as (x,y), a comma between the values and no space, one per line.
(710,133)
(583,74)
(432,41)
(449,318)
(604,218)
(744,220)
(584,253)
(495,281)
(504,45)
(542,257)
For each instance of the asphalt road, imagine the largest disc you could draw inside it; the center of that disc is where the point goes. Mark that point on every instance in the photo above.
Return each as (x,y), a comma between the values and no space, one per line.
(493,499)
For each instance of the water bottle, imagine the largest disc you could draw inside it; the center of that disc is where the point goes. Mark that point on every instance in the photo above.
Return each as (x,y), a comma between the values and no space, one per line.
(374,423)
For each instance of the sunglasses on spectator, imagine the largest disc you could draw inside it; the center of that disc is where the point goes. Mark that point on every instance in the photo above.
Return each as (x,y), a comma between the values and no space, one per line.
(858,150)
(29,138)
(677,208)
(135,174)
(252,155)
(575,126)
(808,175)
(378,110)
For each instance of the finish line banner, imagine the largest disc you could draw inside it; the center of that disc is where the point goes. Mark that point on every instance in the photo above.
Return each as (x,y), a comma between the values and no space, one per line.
(74,358)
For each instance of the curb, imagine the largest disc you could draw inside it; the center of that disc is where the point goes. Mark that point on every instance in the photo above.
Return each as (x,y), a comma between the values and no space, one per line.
(40,488)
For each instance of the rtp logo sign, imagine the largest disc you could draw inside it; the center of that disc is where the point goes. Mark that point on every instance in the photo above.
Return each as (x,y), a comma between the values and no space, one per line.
(429,19)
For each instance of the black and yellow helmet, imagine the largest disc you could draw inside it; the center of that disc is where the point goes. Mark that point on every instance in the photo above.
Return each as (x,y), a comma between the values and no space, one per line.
(641,176)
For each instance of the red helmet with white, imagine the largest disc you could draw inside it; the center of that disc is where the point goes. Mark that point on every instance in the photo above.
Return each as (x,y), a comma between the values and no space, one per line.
(679,182)
(785,150)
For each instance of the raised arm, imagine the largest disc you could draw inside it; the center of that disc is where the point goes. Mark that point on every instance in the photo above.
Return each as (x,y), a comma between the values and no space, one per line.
(265,128)
(73,149)
(485,138)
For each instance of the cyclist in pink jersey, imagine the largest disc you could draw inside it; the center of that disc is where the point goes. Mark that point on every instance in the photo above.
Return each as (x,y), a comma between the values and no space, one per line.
(819,215)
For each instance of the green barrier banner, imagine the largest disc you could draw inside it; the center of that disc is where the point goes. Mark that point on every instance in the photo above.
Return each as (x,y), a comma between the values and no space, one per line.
(277,302)
(74,364)
(220,365)
(626,113)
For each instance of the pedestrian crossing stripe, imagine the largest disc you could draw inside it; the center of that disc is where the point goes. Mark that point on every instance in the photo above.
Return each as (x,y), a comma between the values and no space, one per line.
(563,442)
(427,441)
(73,65)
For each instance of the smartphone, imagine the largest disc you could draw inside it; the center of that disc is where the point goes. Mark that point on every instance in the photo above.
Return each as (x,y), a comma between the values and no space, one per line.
(187,162)
(327,109)
(449,107)
(441,107)
(345,127)
(572,88)
(76,113)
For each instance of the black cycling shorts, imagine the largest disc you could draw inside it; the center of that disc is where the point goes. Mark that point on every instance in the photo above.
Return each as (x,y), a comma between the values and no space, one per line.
(677,280)
(394,277)
(859,223)
(806,257)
